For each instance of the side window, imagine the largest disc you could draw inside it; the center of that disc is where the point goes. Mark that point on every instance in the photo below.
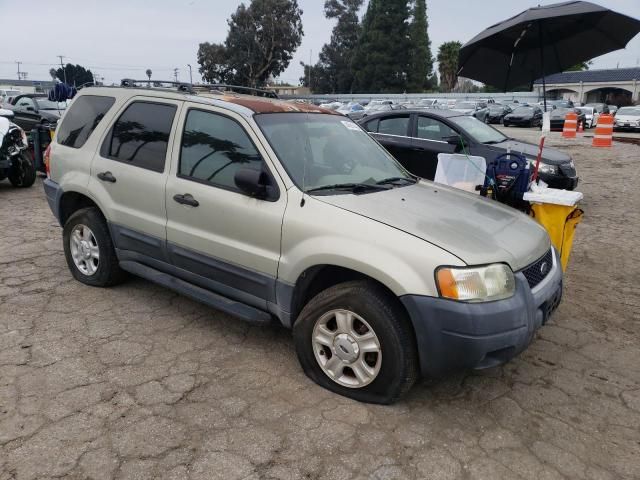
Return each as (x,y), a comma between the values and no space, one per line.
(394,126)
(214,148)
(140,135)
(432,129)
(24,103)
(372,126)
(84,115)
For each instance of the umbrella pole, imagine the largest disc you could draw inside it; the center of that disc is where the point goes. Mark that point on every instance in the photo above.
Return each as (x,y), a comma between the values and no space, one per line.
(544,99)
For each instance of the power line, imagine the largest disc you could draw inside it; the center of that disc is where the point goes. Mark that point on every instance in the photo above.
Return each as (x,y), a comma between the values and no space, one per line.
(64,70)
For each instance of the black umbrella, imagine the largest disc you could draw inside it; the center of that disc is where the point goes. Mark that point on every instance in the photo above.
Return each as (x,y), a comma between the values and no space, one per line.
(544,40)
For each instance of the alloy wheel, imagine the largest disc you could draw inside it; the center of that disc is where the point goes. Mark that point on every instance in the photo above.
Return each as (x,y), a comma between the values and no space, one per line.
(84,249)
(347,348)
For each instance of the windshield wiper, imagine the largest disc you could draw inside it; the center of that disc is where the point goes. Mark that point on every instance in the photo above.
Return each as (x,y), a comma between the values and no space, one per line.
(392,180)
(354,187)
(492,142)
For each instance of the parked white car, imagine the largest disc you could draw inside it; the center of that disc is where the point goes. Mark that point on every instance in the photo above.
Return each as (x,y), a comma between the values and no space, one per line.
(591,116)
(627,118)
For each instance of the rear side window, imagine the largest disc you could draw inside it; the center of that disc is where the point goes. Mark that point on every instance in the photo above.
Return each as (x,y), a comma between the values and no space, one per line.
(84,115)
(394,126)
(372,126)
(141,135)
(214,148)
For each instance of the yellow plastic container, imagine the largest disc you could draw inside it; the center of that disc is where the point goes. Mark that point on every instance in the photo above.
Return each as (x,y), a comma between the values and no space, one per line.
(560,221)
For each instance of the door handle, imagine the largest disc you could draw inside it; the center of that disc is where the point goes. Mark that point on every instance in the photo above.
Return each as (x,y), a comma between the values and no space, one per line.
(186,199)
(107,177)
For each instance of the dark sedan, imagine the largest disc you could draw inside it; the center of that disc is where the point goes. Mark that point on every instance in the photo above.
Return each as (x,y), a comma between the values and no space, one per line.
(524,117)
(34,109)
(559,114)
(497,112)
(416,137)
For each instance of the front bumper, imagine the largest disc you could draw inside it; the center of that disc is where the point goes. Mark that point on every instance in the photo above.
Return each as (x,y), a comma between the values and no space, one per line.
(454,335)
(559,181)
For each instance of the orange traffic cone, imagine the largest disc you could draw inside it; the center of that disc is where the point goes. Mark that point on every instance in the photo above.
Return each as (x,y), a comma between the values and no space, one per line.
(580,127)
(570,125)
(604,131)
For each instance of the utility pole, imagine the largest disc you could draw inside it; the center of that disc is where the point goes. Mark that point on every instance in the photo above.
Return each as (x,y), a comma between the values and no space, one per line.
(310,67)
(64,71)
(18,69)
(190,76)
(175,74)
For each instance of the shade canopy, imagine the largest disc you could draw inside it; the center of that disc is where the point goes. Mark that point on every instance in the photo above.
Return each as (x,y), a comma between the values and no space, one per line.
(544,40)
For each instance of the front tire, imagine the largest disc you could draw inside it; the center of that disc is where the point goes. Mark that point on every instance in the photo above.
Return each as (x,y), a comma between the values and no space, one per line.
(23,173)
(89,250)
(355,340)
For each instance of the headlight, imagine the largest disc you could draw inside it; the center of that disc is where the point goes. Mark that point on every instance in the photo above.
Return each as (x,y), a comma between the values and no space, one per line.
(476,284)
(548,169)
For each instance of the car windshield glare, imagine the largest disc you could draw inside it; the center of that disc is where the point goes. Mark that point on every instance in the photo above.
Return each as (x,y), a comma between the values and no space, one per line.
(523,110)
(629,111)
(479,131)
(318,150)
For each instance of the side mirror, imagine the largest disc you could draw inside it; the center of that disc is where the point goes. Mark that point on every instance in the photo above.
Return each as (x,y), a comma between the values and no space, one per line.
(255,183)
(30,109)
(454,140)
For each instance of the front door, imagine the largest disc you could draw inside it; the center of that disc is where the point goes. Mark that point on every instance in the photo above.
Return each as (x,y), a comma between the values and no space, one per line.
(129,173)
(220,237)
(25,113)
(429,141)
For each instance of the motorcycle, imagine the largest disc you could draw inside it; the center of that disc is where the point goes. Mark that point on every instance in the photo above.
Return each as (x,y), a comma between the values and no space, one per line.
(15,162)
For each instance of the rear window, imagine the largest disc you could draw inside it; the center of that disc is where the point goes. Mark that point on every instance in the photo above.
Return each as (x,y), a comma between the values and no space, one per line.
(84,115)
(140,135)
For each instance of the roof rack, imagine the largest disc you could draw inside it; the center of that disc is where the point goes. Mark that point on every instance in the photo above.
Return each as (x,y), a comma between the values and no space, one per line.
(180,86)
(190,88)
(222,88)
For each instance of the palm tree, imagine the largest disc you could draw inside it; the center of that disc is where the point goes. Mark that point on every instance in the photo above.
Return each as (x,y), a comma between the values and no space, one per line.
(149,72)
(448,64)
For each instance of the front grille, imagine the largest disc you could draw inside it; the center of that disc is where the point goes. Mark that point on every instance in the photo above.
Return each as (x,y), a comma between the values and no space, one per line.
(538,271)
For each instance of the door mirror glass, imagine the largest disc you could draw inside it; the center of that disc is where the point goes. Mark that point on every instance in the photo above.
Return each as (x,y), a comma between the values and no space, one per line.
(252,182)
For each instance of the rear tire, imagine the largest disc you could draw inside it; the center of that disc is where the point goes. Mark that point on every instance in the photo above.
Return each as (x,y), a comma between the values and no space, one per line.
(358,317)
(89,250)
(23,173)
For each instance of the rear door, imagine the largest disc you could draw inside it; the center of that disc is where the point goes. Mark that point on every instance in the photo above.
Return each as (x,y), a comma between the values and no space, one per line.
(224,239)
(129,173)
(428,142)
(394,133)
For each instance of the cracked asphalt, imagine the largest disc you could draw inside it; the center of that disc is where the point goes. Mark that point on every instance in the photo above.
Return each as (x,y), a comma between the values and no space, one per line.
(139,382)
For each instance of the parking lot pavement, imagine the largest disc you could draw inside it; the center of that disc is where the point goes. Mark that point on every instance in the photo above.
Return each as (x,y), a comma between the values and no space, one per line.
(138,382)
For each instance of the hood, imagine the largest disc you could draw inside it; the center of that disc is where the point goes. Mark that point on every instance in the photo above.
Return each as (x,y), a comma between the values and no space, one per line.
(465,111)
(51,115)
(550,155)
(520,115)
(627,118)
(473,228)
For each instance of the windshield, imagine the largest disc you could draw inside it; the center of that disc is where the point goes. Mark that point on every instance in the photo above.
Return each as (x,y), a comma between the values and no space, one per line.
(629,111)
(523,111)
(319,150)
(586,111)
(466,105)
(45,104)
(479,131)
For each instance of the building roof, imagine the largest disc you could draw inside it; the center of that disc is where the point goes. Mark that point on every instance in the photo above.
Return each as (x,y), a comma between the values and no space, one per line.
(25,83)
(594,76)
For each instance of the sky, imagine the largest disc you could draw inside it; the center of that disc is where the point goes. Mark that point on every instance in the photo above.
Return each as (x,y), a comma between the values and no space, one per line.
(122,38)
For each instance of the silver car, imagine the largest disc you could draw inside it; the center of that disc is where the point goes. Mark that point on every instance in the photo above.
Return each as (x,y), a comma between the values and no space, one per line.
(279,212)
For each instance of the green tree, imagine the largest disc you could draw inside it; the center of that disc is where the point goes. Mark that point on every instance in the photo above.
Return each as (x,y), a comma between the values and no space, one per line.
(333,73)
(579,67)
(261,42)
(448,54)
(381,57)
(75,75)
(420,73)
